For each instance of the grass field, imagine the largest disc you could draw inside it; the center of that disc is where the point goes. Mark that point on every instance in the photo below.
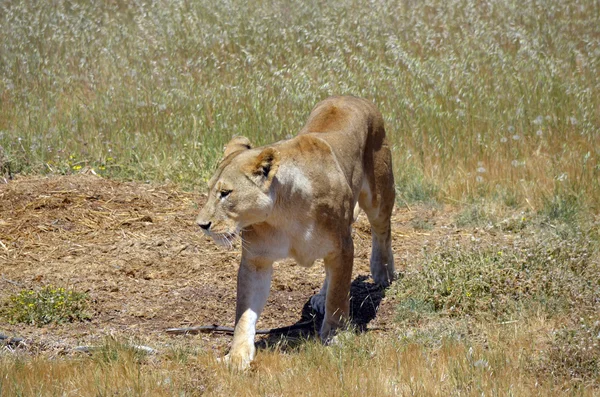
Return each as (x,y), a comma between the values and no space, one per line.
(491,106)
(496,99)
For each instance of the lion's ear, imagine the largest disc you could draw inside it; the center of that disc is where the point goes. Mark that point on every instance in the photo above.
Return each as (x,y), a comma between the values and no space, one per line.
(264,167)
(237,144)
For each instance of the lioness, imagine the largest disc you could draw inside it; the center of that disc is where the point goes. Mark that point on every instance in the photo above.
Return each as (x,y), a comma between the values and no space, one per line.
(296,198)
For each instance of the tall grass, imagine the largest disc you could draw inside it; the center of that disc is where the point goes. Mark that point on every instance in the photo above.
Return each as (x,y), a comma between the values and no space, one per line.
(494,98)
(356,366)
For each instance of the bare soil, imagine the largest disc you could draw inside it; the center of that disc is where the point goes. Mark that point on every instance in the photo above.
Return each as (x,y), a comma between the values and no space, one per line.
(135,249)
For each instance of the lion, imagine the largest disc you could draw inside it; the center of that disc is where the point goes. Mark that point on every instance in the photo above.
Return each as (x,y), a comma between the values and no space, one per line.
(298,198)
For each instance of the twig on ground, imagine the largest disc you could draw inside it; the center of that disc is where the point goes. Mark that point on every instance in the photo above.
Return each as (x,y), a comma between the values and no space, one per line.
(229,330)
(89,349)
(16,342)
(12,282)
(10,341)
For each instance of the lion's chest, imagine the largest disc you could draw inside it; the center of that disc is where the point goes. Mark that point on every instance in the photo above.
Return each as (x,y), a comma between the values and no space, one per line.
(308,246)
(303,243)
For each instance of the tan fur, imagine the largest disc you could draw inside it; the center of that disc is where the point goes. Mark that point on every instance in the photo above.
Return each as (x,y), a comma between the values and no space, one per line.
(296,198)
(236,144)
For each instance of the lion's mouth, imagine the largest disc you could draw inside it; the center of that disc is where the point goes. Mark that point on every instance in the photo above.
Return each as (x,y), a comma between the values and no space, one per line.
(225,240)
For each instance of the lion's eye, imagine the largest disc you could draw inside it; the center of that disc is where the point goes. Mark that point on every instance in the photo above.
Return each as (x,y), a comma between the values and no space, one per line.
(224,193)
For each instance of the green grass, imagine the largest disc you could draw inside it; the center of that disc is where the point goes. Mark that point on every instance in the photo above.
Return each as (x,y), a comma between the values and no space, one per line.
(480,99)
(475,214)
(47,305)
(545,267)
(549,273)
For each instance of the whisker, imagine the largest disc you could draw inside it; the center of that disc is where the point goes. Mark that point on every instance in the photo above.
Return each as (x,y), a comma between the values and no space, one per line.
(245,245)
(227,237)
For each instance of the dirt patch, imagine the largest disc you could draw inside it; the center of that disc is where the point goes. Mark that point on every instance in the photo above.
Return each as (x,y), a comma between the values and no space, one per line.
(137,252)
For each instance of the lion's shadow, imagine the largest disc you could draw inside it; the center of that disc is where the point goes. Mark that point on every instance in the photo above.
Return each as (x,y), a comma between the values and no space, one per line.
(365,298)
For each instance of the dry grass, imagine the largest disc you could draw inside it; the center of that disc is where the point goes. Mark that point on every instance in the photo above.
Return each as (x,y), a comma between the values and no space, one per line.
(494,99)
(502,365)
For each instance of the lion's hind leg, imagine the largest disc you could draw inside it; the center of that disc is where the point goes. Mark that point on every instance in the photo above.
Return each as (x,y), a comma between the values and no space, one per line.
(377,200)
(317,301)
(382,257)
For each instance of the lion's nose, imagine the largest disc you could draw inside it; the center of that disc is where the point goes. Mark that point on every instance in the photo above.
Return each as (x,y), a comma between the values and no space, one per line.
(205,226)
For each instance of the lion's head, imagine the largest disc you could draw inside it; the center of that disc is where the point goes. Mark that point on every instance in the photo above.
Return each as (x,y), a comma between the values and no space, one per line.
(239,193)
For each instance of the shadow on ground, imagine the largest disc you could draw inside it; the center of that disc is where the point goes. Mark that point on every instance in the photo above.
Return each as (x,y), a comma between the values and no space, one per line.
(365,298)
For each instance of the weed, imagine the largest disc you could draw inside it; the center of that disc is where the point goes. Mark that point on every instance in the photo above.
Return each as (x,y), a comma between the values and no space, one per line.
(575,350)
(179,354)
(413,309)
(115,350)
(420,223)
(564,208)
(413,187)
(47,305)
(474,215)
(515,223)
(548,273)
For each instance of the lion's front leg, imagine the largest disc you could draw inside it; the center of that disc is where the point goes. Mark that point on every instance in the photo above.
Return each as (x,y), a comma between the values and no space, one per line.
(253,285)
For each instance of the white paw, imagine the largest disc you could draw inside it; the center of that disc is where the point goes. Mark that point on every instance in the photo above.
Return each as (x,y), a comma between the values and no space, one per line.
(235,363)
(317,302)
(223,360)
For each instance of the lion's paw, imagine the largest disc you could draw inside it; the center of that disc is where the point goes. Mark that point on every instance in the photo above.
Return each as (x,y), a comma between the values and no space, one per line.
(317,302)
(235,363)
